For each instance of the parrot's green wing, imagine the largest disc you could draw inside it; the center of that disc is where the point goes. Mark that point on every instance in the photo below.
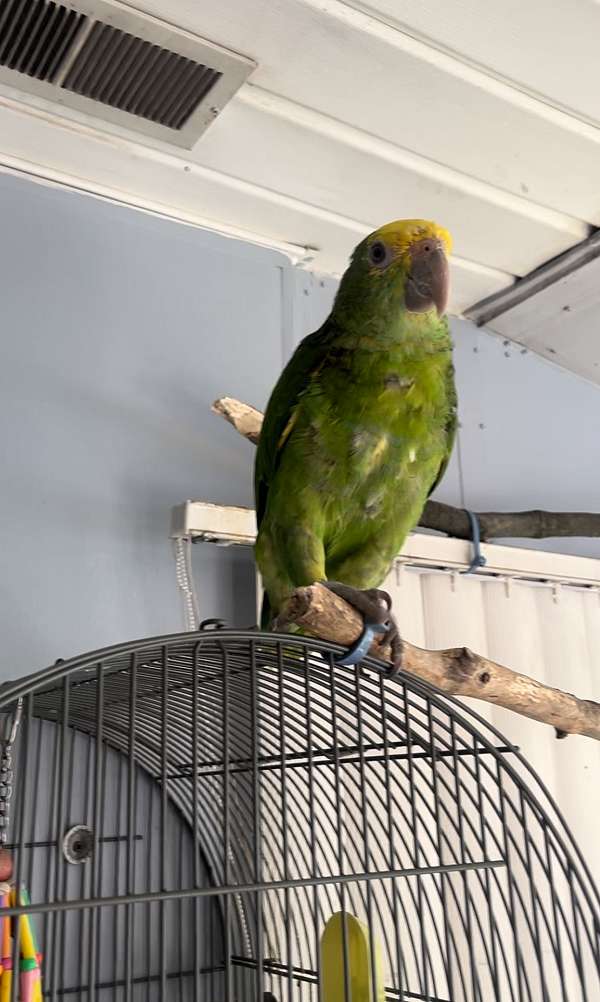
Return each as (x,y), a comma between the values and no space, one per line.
(309,357)
(451,426)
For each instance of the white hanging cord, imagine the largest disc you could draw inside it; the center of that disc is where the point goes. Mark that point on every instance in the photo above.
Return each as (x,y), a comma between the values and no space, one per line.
(185,582)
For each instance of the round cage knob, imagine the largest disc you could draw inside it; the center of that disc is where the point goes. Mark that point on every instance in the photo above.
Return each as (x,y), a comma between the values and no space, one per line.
(78,844)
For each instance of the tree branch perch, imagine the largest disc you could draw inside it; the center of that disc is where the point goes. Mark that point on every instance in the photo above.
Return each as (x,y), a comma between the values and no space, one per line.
(444,517)
(457,671)
(244,418)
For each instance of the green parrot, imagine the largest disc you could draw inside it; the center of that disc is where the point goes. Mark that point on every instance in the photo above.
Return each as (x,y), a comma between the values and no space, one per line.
(359,427)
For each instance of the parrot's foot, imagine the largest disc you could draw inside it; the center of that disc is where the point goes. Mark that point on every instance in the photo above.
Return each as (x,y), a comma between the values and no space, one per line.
(375,606)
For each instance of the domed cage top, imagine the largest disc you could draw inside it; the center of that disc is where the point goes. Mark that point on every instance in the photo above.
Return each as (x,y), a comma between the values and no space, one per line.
(190,812)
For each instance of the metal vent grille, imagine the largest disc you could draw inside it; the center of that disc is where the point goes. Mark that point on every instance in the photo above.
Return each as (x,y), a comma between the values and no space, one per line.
(115,64)
(128,73)
(36,35)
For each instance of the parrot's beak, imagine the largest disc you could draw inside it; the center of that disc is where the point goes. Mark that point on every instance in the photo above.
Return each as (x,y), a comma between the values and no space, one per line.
(428,282)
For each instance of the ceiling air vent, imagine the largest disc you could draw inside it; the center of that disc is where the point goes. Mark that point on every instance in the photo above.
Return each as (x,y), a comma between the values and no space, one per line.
(115,64)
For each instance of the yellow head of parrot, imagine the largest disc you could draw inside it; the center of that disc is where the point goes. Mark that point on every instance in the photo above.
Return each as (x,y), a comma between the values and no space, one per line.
(402,233)
(419,249)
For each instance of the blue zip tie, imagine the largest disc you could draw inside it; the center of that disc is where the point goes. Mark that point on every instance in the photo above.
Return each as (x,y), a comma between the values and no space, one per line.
(361,648)
(478,559)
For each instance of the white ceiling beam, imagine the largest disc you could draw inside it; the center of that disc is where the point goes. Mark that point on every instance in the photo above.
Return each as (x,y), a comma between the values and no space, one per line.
(381,149)
(400,37)
(494,306)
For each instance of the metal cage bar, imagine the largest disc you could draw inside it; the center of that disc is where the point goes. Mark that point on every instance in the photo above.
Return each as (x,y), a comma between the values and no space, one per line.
(241,788)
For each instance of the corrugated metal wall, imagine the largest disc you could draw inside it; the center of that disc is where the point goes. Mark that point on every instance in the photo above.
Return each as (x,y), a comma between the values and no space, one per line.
(549,632)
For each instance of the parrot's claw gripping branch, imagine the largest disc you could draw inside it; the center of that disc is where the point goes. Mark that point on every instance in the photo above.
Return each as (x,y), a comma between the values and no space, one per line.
(319,611)
(374,605)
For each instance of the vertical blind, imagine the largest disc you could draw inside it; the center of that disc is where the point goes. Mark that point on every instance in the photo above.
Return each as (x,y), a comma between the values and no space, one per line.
(548,631)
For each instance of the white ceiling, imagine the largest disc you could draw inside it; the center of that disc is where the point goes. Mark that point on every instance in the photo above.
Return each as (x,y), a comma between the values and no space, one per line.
(485,118)
(562,324)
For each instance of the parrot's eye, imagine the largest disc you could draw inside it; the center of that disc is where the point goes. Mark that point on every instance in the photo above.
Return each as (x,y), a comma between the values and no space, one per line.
(379,254)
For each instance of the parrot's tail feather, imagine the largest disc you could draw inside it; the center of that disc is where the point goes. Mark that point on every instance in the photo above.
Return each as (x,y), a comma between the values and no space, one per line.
(266,613)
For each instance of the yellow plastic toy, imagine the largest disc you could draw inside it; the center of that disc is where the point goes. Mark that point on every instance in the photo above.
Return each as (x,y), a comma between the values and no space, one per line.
(360,968)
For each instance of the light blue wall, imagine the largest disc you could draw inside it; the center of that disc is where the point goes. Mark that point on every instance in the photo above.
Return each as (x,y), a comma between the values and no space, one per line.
(529,434)
(118,330)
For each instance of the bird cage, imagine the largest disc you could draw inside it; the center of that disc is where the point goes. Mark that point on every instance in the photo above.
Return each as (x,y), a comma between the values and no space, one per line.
(231,815)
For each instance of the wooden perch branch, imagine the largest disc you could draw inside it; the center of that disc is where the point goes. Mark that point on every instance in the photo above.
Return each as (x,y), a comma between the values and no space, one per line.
(244,418)
(443,517)
(458,671)
(534,524)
